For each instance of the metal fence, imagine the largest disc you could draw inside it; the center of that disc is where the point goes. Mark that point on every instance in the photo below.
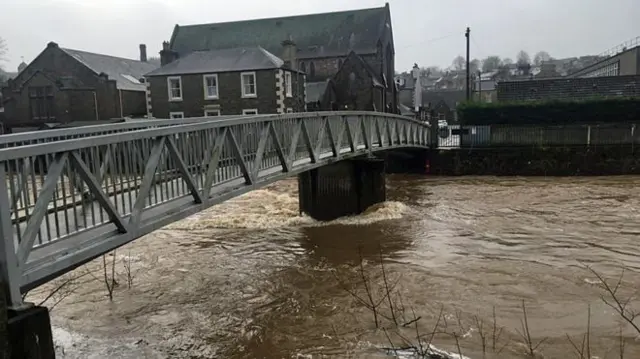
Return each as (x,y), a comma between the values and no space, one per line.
(495,136)
(65,202)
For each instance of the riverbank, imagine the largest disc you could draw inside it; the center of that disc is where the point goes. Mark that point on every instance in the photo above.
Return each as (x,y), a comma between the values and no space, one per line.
(536,161)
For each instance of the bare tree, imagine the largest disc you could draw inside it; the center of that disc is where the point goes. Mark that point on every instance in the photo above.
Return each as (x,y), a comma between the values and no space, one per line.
(491,63)
(459,63)
(523,58)
(540,57)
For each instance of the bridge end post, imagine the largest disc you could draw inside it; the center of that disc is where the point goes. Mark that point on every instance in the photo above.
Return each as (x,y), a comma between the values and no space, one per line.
(341,189)
(25,330)
(29,334)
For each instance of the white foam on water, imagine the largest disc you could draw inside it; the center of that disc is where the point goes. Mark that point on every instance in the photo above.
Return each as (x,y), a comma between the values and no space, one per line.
(269,209)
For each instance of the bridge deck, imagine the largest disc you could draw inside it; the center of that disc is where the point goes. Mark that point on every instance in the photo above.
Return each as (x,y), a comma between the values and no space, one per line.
(67,202)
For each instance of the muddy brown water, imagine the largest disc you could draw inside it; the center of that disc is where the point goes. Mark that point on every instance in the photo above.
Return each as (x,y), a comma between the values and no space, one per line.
(251,278)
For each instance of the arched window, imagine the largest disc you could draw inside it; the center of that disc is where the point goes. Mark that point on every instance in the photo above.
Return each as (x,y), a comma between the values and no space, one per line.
(312,69)
(303,66)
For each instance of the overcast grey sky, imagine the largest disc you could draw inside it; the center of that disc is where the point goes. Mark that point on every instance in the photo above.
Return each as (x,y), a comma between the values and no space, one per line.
(429,32)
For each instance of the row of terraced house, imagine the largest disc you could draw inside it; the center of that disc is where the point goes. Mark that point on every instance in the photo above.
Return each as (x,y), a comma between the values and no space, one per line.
(329,61)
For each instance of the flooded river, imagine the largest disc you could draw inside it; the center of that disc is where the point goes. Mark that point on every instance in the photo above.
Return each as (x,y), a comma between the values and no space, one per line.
(251,278)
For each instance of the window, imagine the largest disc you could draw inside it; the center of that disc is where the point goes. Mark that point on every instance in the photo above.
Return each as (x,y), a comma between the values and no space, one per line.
(289,110)
(248,80)
(210,83)
(608,70)
(175,88)
(211,113)
(303,66)
(41,103)
(287,84)
(253,111)
(176,114)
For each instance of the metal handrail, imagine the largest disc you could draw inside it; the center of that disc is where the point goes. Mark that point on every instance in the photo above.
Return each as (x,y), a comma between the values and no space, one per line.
(38,149)
(57,134)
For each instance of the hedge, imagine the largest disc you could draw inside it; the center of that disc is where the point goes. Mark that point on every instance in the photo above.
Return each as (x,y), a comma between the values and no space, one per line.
(593,111)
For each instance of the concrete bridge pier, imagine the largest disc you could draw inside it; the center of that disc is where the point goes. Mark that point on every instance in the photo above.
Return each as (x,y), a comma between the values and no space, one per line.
(341,189)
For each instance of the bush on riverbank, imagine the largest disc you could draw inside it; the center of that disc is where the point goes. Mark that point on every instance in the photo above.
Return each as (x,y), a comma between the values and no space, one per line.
(593,111)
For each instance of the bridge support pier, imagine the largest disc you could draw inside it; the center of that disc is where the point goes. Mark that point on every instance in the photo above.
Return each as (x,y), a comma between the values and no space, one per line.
(341,189)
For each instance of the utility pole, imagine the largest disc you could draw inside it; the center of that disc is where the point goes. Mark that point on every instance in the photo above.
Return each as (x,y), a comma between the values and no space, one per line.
(467,35)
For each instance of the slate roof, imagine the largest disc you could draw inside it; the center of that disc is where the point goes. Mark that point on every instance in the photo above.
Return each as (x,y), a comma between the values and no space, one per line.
(226,60)
(315,90)
(315,35)
(125,72)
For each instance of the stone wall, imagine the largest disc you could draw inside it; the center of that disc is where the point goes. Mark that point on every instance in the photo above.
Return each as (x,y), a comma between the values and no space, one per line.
(569,88)
(559,161)
(230,100)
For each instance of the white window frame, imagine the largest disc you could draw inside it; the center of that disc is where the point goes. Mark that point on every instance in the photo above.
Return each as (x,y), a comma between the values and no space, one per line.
(180,113)
(288,85)
(170,93)
(206,87)
(289,110)
(207,113)
(246,110)
(255,85)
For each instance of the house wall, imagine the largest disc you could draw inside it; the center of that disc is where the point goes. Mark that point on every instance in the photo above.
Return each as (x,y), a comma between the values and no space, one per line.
(82,104)
(296,102)
(230,101)
(18,109)
(324,67)
(569,88)
(58,64)
(134,103)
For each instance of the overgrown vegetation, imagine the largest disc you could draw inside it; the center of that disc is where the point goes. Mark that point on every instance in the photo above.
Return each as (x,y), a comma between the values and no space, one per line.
(592,111)
(400,324)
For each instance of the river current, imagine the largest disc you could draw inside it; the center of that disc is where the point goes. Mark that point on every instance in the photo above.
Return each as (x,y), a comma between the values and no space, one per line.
(252,278)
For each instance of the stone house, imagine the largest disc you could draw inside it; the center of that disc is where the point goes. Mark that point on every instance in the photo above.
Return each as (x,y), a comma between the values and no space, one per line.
(237,81)
(322,42)
(62,86)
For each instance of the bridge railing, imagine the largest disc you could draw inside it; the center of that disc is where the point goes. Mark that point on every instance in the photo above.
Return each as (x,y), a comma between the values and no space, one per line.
(59,134)
(497,136)
(63,203)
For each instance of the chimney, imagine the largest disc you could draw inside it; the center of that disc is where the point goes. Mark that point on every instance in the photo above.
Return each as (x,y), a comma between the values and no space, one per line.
(143,52)
(166,55)
(289,52)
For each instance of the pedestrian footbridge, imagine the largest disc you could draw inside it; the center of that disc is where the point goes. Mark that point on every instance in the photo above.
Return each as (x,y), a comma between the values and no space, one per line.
(71,195)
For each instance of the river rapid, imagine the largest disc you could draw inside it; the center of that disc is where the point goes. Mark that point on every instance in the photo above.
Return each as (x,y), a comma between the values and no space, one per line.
(252,278)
